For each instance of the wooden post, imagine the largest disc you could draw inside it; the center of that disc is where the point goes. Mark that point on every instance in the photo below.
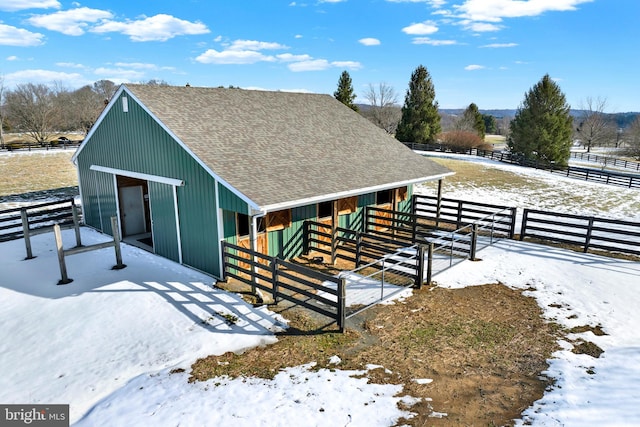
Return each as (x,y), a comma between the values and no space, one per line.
(275,289)
(225,261)
(306,228)
(588,237)
(342,297)
(334,232)
(116,243)
(25,232)
(523,228)
(429,263)
(358,249)
(76,224)
(474,242)
(439,203)
(64,279)
(420,267)
(512,227)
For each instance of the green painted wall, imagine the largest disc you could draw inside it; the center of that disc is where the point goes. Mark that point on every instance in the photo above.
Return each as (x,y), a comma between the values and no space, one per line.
(133,141)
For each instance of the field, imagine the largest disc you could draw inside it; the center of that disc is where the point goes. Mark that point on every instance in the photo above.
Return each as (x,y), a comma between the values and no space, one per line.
(483,347)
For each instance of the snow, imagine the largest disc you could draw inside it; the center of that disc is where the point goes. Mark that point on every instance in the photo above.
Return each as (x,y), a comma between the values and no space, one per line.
(112,343)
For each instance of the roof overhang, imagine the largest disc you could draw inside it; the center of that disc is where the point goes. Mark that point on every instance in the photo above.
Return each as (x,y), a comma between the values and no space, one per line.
(350,193)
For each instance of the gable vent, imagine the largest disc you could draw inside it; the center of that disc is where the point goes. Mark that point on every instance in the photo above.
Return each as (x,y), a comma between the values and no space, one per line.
(125,104)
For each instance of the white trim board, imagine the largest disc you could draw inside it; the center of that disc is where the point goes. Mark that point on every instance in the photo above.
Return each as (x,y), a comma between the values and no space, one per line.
(138,175)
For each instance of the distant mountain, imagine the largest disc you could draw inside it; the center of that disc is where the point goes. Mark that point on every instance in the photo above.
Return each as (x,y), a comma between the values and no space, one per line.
(622,120)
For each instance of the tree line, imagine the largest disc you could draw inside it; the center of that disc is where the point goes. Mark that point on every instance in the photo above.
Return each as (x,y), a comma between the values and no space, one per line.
(43,112)
(543,129)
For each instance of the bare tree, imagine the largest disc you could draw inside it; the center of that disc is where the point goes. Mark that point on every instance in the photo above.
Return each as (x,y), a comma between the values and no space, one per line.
(105,89)
(33,109)
(384,111)
(594,127)
(81,108)
(632,139)
(2,114)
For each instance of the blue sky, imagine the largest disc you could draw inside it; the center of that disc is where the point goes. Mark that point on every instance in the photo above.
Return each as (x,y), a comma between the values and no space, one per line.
(489,52)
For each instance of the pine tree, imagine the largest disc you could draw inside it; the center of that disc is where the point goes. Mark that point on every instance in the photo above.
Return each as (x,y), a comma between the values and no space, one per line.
(344,93)
(473,116)
(420,121)
(542,128)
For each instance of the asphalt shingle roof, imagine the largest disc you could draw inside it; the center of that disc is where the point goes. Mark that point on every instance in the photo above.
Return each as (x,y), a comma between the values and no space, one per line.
(282,147)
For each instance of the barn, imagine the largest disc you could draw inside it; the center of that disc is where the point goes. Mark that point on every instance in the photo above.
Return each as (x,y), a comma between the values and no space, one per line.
(184,168)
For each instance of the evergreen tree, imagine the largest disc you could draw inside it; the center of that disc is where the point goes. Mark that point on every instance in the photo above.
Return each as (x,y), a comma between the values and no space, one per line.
(490,124)
(542,127)
(474,118)
(344,93)
(420,121)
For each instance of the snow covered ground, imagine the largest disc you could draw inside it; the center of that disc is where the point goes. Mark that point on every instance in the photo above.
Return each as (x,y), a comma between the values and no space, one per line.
(107,342)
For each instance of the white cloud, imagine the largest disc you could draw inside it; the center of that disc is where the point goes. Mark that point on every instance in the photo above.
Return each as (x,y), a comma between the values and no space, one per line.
(288,57)
(13,5)
(12,36)
(496,10)
(213,56)
(70,65)
(72,22)
(255,45)
(420,29)
(45,77)
(12,58)
(119,75)
(432,3)
(155,28)
(369,41)
(499,45)
(474,67)
(481,27)
(310,65)
(322,64)
(433,42)
(352,65)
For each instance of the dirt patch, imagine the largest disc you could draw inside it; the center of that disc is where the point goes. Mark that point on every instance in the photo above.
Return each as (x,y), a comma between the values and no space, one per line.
(483,347)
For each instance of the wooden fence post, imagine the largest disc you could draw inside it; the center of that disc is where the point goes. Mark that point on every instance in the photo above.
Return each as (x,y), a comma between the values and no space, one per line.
(474,242)
(25,232)
(588,237)
(76,223)
(64,279)
(306,227)
(523,228)
(429,263)
(275,289)
(512,228)
(420,265)
(116,244)
(342,296)
(358,249)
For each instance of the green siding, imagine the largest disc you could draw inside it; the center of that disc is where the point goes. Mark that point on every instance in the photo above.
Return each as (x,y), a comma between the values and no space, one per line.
(229,201)
(163,218)
(133,141)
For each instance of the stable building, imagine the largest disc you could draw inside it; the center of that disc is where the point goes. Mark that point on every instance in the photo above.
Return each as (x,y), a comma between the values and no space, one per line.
(184,168)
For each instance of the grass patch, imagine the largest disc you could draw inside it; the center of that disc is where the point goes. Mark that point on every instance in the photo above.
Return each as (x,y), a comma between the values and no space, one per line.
(37,170)
(484,347)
